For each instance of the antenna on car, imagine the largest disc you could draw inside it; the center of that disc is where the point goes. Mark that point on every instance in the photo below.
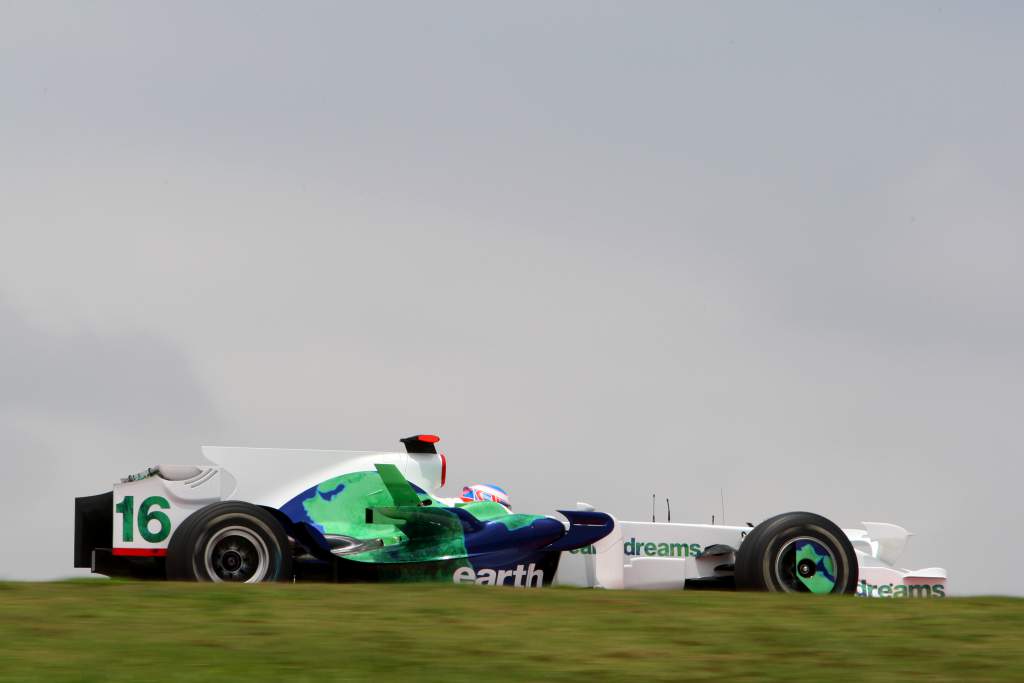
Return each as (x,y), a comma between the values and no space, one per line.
(653,496)
(668,507)
(721,492)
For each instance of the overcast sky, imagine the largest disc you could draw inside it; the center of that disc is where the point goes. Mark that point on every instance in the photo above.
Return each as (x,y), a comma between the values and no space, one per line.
(603,249)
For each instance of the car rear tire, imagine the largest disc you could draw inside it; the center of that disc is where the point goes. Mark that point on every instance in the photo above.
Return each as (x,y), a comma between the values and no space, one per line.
(230,541)
(797,552)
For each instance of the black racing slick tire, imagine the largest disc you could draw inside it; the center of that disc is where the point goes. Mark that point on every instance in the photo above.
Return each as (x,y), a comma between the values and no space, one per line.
(797,552)
(230,541)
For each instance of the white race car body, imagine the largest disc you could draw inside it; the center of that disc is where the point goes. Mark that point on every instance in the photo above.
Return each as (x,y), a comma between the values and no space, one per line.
(329,505)
(654,555)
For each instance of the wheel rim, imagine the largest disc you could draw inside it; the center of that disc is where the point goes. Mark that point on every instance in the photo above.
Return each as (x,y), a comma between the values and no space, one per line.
(806,565)
(236,554)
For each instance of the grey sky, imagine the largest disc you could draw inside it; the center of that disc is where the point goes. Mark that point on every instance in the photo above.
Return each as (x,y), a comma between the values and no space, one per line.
(602,249)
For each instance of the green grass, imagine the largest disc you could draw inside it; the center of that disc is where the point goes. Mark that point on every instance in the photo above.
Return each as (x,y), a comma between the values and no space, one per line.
(124,631)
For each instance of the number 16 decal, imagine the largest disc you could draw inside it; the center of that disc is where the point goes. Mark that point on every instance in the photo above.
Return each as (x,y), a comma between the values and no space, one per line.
(126,508)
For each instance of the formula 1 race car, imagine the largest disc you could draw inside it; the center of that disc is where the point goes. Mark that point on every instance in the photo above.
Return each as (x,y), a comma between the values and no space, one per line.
(261,514)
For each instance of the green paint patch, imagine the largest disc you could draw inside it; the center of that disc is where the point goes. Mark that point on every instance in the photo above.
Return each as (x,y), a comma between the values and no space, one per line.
(486,510)
(489,511)
(411,532)
(819,582)
(343,511)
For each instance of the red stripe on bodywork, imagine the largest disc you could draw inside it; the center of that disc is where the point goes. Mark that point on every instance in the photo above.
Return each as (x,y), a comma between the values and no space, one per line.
(140,552)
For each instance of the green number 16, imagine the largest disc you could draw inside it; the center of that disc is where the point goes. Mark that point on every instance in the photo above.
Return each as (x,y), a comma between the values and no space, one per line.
(126,508)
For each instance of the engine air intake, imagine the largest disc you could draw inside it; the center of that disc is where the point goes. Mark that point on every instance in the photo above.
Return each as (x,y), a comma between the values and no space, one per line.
(421,443)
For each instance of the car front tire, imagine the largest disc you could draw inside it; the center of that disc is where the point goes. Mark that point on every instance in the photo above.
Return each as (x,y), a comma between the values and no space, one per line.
(797,552)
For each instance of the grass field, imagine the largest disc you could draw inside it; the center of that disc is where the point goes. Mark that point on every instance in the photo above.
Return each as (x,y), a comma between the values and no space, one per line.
(123,631)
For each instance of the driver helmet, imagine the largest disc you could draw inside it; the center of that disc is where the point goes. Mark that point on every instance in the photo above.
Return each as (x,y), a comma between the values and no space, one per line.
(489,492)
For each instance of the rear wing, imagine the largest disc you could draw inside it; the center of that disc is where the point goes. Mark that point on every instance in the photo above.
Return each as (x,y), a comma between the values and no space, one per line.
(94,527)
